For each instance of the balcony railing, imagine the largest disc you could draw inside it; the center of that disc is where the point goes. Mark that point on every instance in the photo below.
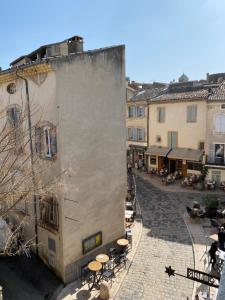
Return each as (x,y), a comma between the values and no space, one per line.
(218,161)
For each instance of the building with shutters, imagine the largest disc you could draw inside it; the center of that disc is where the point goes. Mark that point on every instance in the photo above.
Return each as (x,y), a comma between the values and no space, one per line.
(79,135)
(137,121)
(187,128)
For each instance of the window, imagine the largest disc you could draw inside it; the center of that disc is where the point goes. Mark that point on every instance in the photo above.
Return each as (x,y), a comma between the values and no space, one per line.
(51,244)
(48,208)
(141,134)
(222,106)
(219,124)
(132,134)
(92,242)
(158,139)
(132,111)
(219,153)
(201,146)
(14,118)
(161,114)
(153,160)
(45,141)
(140,111)
(192,113)
(194,166)
(216,175)
(11,88)
(172,139)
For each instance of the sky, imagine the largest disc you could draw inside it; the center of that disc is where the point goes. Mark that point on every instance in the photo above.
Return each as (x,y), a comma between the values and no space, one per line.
(163,38)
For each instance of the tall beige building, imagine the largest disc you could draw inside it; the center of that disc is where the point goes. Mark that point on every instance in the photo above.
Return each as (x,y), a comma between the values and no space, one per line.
(186,127)
(82,130)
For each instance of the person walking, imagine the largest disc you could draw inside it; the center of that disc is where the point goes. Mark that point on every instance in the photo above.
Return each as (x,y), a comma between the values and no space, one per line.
(212,253)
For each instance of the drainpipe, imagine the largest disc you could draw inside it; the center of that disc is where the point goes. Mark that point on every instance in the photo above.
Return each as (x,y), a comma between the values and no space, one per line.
(147,158)
(31,155)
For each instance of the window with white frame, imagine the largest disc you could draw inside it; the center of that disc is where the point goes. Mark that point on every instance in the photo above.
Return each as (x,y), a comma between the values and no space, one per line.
(141,134)
(161,113)
(131,111)
(45,141)
(191,113)
(132,134)
(219,123)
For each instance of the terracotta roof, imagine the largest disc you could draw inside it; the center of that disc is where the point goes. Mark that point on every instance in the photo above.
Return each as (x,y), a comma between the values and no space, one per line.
(218,93)
(202,93)
(146,94)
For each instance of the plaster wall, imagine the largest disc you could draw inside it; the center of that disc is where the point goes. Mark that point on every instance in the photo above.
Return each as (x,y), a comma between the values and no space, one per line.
(189,134)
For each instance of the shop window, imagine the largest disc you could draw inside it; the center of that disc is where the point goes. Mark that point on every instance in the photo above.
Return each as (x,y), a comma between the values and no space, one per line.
(45,141)
(216,175)
(195,166)
(92,242)
(49,213)
(161,112)
(153,160)
(192,113)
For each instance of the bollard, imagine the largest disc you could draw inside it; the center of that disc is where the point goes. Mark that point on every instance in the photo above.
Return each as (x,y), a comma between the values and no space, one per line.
(1,296)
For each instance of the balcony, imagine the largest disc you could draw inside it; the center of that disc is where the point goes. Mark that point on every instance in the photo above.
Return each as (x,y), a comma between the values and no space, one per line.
(216,161)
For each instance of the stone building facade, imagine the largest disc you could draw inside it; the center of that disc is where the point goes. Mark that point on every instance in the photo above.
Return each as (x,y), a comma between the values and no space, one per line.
(81,96)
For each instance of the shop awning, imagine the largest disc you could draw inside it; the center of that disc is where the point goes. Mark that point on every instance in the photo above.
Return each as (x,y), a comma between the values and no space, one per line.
(186,154)
(157,150)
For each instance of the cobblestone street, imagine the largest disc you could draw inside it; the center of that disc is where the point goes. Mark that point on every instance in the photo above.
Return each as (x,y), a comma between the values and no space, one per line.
(165,241)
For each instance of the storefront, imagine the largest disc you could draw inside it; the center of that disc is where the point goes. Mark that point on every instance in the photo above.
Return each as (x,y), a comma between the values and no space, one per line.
(135,154)
(185,160)
(156,157)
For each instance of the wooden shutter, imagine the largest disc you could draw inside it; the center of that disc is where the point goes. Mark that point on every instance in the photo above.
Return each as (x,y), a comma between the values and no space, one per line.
(53,141)
(38,137)
(211,156)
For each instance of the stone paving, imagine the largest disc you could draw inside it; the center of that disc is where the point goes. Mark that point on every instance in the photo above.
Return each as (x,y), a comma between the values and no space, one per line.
(165,241)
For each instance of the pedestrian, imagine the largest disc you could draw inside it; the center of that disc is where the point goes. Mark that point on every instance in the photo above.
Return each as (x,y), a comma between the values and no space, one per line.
(212,253)
(221,238)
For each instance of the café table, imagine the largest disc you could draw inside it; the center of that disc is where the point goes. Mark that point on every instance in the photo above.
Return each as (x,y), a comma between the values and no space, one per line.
(95,267)
(103,259)
(122,242)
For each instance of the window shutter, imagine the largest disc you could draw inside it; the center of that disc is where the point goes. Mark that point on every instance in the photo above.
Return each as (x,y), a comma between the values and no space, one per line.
(174,139)
(53,141)
(38,135)
(211,157)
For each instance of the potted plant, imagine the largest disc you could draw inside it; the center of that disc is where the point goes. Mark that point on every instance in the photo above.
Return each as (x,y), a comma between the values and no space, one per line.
(211,205)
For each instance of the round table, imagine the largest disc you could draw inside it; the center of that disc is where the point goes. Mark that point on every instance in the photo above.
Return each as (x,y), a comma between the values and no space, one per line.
(102,258)
(94,266)
(122,242)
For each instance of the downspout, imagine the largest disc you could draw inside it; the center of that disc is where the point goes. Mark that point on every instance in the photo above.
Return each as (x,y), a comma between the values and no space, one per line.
(147,158)
(31,155)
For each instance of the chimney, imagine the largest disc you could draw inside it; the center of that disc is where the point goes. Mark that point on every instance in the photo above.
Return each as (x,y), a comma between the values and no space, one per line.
(75,44)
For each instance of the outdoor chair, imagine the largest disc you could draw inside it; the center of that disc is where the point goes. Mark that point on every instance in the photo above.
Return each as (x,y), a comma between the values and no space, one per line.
(120,261)
(112,253)
(108,275)
(214,223)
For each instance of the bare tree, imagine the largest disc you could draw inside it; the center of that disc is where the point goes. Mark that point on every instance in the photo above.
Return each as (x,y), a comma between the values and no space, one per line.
(21,178)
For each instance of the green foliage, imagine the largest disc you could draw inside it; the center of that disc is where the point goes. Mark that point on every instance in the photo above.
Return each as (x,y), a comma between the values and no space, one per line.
(210,201)
(204,172)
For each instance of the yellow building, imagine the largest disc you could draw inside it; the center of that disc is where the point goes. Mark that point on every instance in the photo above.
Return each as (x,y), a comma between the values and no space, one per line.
(187,128)
(137,122)
(177,128)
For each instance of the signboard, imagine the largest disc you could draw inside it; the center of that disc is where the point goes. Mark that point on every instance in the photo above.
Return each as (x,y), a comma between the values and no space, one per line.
(202,277)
